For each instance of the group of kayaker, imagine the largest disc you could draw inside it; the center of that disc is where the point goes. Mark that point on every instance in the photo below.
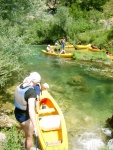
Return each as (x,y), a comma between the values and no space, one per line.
(61,42)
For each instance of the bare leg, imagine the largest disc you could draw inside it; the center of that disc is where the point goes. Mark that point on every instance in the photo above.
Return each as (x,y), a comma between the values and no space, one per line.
(27,127)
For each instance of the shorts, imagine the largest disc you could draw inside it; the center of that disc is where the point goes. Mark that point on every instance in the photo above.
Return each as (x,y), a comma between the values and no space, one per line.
(21,115)
(62,45)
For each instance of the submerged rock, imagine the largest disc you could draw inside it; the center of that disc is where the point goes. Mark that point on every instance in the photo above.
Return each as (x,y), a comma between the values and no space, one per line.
(76,80)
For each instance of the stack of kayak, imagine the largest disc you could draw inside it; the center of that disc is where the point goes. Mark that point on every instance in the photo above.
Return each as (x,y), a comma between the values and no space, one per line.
(65,55)
(51,124)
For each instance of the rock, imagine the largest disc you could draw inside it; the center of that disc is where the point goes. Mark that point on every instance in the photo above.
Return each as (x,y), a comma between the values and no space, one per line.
(76,80)
(6,121)
(110,144)
(109,121)
(6,108)
(2,137)
(107,132)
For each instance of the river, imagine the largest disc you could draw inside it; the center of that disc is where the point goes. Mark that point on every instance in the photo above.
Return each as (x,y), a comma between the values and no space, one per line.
(84,95)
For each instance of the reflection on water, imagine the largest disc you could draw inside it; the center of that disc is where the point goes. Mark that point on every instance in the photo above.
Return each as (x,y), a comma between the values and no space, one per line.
(85,97)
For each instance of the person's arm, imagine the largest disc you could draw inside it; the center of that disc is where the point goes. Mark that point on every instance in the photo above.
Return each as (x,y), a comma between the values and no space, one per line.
(37,104)
(32,114)
(37,89)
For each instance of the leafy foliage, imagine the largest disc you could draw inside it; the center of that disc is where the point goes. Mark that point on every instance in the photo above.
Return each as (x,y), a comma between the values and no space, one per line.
(13,139)
(12,52)
(85,4)
(13,7)
(92,4)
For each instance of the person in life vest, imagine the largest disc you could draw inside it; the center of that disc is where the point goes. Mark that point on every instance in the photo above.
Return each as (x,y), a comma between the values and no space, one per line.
(49,49)
(26,98)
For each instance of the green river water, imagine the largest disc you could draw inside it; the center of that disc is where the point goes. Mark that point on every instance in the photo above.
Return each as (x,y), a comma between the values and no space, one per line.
(84,96)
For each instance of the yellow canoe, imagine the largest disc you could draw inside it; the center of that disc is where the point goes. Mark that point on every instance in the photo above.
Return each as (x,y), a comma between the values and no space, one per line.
(95,49)
(111,57)
(66,55)
(51,124)
(69,46)
(82,46)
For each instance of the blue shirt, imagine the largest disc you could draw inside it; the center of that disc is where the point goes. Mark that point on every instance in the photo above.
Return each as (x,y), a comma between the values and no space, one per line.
(37,89)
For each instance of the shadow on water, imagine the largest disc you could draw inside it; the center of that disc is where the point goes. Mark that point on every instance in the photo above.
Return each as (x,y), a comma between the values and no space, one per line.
(82,92)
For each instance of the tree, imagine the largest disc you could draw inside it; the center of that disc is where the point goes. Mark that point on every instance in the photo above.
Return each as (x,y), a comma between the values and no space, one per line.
(92,4)
(11,7)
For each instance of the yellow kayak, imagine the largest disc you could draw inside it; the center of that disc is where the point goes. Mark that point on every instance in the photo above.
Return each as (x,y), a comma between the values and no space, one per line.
(51,124)
(66,55)
(82,46)
(69,46)
(111,57)
(95,49)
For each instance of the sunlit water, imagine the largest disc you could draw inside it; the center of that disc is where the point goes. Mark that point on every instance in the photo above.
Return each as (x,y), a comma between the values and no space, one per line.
(86,105)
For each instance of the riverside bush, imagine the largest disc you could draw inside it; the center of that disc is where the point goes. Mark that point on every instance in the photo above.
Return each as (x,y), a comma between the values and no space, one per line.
(92,56)
(12,53)
(13,140)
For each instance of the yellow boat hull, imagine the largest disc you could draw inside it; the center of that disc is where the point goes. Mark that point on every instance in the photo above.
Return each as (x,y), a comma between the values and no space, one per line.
(82,46)
(95,49)
(66,55)
(111,57)
(51,124)
(69,46)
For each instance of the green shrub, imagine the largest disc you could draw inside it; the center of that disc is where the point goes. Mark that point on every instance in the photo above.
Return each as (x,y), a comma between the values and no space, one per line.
(92,56)
(13,140)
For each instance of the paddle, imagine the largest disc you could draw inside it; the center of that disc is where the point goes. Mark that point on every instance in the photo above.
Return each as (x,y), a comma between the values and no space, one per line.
(37,143)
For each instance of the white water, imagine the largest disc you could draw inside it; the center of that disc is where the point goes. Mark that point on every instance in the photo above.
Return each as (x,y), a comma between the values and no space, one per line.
(93,140)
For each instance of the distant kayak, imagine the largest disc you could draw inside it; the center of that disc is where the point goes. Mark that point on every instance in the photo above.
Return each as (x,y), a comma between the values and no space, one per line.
(69,46)
(95,49)
(66,55)
(82,46)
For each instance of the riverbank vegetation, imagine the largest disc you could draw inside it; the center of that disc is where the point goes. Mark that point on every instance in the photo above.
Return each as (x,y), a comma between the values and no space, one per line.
(24,23)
